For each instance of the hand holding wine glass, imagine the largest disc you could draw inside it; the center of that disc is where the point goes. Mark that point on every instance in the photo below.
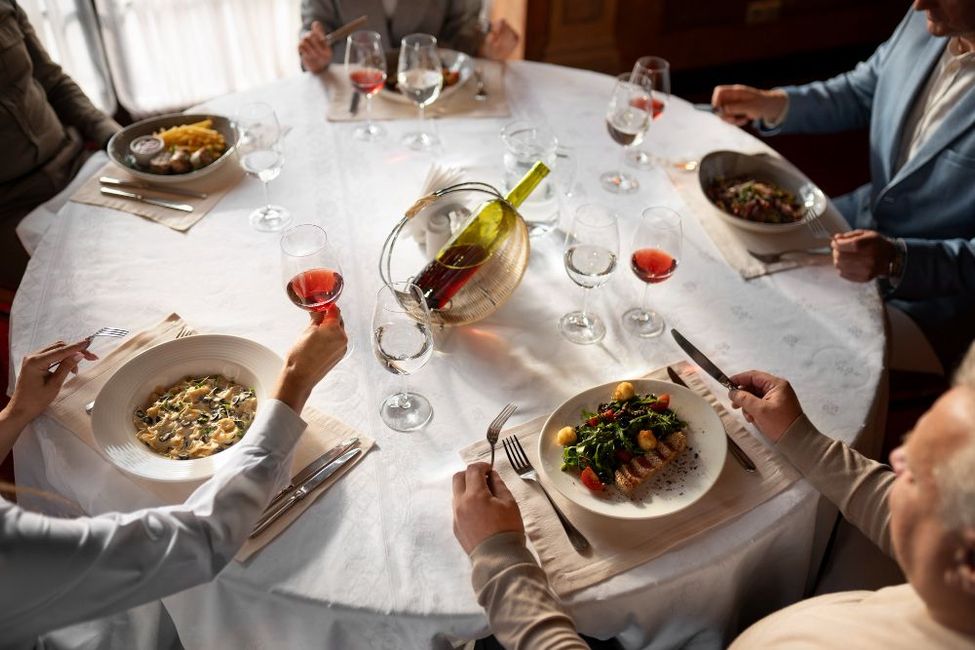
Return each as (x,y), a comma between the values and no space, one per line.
(627,119)
(653,73)
(656,247)
(365,63)
(591,247)
(420,77)
(261,154)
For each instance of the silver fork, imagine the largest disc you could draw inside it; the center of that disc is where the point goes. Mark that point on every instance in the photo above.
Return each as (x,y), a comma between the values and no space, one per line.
(772,258)
(523,467)
(494,429)
(186,331)
(818,230)
(111,332)
(481,93)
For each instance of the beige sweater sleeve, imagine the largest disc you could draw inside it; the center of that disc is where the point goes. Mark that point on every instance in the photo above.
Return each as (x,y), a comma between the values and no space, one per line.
(857,485)
(523,612)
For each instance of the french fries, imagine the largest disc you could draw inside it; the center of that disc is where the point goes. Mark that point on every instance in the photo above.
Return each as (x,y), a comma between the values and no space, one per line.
(193,136)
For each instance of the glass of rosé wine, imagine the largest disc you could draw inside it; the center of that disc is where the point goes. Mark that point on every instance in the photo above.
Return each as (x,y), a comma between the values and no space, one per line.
(365,63)
(656,251)
(653,73)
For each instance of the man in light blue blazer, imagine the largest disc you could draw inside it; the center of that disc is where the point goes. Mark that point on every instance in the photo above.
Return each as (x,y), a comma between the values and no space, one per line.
(914,223)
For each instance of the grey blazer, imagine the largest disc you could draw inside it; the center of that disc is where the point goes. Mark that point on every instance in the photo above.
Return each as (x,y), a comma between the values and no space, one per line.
(453,22)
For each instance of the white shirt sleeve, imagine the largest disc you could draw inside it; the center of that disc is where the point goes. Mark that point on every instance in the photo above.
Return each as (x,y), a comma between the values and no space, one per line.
(55,572)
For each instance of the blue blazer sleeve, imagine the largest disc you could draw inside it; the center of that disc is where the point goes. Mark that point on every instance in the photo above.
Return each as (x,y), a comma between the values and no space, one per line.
(56,572)
(936,269)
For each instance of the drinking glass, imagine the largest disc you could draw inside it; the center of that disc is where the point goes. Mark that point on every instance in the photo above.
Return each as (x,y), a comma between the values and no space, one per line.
(627,119)
(365,63)
(592,245)
(656,252)
(525,144)
(420,77)
(310,268)
(261,154)
(403,343)
(653,73)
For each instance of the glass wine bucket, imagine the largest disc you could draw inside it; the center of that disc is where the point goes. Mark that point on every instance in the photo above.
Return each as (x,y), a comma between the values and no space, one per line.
(471,277)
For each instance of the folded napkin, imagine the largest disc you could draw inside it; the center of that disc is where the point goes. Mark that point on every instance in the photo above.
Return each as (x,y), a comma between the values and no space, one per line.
(460,103)
(216,185)
(619,545)
(323,431)
(734,243)
(419,227)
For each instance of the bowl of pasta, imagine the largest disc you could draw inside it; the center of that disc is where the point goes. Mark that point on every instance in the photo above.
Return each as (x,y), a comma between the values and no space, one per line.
(193,146)
(177,411)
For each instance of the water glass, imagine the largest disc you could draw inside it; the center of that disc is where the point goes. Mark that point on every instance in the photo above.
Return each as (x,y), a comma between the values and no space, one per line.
(420,77)
(261,154)
(525,144)
(592,245)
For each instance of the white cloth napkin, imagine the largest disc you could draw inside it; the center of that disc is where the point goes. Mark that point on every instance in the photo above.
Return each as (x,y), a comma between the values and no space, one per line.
(419,227)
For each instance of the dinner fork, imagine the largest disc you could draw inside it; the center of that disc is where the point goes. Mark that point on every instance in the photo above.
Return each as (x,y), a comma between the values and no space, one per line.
(111,332)
(523,467)
(494,429)
(818,230)
(481,93)
(772,258)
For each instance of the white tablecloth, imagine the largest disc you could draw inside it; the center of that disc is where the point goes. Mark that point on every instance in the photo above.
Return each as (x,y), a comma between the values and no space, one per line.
(374,563)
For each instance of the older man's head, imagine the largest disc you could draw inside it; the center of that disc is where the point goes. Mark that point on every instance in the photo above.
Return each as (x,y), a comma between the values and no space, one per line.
(948,17)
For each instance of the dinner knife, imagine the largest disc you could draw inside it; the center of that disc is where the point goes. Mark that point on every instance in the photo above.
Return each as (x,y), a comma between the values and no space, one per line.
(139,185)
(184,207)
(345,30)
(701,360)
(304,490)
(313,467)
(736,451)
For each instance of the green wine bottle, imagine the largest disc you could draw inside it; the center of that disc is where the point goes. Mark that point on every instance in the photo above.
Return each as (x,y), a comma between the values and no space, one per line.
(476,242)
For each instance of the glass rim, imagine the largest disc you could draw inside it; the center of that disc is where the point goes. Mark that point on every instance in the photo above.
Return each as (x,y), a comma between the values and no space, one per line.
(244,110)
(511,129)
(608,214)
(393,288)
(300,227)
(653,63)
(365,35)
(647,213)
(416,40)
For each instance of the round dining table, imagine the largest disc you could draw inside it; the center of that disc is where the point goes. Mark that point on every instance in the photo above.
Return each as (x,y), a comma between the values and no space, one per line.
(374,563)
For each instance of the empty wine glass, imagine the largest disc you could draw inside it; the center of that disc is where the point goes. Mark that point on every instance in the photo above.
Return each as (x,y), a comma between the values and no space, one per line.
(592,245)
(420,77)
(365,63)
(627,119)
(261,154)
(656,251)
(403,343)
(653,73)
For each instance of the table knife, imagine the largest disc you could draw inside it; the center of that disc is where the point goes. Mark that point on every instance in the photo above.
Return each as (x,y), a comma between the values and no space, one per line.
(354,104)
(304,490)
(701,360)
(736,451)
(313,467)
(345,30)
(184,207)
(139,185)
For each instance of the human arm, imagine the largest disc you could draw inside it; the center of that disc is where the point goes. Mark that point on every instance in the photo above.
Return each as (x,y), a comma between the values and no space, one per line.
(857,485)
(315,52)
(522,610)
(461,28)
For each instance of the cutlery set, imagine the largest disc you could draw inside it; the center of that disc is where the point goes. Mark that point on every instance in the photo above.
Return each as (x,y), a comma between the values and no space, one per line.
(118,187)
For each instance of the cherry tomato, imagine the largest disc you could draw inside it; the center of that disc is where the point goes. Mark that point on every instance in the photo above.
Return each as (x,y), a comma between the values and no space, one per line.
(593,421)
(608,415)
(662,403)
(591,481)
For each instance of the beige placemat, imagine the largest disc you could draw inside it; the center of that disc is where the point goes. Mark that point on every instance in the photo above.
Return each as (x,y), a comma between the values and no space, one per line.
(734,243)
(323,431)
(619,545)
(459,104)
(216,185)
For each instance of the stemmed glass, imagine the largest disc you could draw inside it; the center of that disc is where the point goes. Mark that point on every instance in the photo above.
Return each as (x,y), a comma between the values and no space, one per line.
(310,268)
(261,154)
(653,73)
(656,251)
(592,245)
(627,119)
(420,77)
(365,63)
(403,343)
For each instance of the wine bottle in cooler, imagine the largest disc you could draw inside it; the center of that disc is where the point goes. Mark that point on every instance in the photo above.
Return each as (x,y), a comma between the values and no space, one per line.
(475,243)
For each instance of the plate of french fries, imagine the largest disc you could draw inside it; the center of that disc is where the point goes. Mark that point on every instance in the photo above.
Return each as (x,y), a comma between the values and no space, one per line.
(187,147)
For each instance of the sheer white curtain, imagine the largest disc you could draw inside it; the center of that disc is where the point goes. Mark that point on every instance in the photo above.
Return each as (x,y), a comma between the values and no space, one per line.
(169,54)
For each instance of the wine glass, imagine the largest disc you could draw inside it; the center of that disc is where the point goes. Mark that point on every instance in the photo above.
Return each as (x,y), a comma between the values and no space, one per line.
(627,119)
(592,244)
(310,268)
(403,343)
(656,251)
(420,77)
(261,154)
(653,73)
(365,63)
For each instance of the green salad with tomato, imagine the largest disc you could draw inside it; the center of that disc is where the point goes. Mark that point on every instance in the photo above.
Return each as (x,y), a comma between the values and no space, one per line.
(626,427)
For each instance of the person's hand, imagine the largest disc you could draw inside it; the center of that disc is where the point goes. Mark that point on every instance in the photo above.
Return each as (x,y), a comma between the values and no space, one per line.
(500,41)
(862,255)
(37,386)
(767,401)
(314,50)
(483,506)
(740,105)
(317,350)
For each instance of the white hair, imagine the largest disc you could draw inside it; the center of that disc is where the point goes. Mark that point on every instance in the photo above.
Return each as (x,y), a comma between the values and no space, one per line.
(954,477)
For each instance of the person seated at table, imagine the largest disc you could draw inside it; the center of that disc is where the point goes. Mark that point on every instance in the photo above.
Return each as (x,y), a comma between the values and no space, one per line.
(454,22)
(914,223)
(45,120)
(56,572)
(922,512)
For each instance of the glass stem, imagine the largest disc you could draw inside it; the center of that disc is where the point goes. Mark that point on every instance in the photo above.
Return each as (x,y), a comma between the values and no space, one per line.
(267,198)
(585,305)
(643,301)
(369,113)
(404,398)
(422,111)
(623,164)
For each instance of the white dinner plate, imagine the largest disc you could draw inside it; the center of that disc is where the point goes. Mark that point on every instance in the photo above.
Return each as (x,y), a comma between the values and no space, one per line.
(680,484)
(452,60)
(238,359)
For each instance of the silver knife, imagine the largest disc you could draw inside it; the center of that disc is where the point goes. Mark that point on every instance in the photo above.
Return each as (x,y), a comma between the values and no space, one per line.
(184,207)
(139,185)
(304,490)
(313,467)
(736,451)
(354,104)
(698,357)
